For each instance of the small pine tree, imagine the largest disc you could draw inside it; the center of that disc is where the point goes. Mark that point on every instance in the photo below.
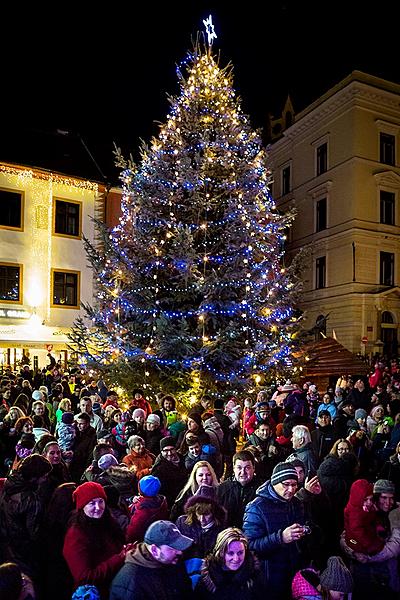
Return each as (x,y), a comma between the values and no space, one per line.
(192,290)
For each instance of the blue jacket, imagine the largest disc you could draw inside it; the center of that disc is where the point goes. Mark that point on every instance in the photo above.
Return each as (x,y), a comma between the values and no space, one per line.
(265,518)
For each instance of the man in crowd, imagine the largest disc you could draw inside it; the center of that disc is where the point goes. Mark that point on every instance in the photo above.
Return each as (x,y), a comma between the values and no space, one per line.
(170,470)
(154,569)
(234,494)
(85,406)
(274,525)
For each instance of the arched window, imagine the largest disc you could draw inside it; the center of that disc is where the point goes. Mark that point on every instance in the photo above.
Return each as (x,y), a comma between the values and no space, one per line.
(387,317)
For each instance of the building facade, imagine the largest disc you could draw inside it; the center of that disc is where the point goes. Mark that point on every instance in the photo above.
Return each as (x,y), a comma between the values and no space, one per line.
(338,164)
(44,275)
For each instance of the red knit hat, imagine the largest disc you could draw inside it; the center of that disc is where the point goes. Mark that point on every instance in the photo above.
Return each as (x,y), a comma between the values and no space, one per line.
(86,492)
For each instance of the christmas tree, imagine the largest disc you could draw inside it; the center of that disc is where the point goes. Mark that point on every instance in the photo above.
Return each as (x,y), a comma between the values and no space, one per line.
(192,289)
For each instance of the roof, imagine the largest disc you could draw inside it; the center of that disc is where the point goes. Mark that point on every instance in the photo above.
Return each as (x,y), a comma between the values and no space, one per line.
(328,357)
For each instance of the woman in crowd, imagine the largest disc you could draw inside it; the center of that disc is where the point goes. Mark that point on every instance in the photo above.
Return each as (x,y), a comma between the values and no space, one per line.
(231,572)
(336,473)
(139,460)
(64,406)
(202,474)
(203,520)
(94,544)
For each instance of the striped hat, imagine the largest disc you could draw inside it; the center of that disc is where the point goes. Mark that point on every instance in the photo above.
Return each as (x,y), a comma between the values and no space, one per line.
(282,472)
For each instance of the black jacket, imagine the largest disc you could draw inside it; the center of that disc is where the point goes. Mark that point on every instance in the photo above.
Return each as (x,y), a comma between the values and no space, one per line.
(234,497)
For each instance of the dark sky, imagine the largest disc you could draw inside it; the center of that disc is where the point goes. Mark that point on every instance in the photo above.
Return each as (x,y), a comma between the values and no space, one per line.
(102,73)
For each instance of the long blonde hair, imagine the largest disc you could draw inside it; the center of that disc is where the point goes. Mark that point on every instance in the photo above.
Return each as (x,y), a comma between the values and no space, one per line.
(192,484)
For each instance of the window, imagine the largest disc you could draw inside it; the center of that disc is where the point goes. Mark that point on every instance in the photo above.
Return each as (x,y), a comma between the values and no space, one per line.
(387,201)
(386,268)
(320,272)
(11,209)
(67,218)
(10,282)
(65,289)
(286,180)
(322,158)
(320,216)
(387,148)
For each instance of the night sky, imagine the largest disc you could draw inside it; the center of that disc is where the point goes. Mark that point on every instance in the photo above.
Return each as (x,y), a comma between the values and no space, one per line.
(103,73)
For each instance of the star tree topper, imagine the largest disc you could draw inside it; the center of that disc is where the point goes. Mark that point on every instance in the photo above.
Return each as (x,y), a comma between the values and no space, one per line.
(210,30)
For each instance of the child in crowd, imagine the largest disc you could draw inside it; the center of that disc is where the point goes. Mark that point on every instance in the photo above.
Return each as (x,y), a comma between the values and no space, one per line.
(361,520)
(66,434)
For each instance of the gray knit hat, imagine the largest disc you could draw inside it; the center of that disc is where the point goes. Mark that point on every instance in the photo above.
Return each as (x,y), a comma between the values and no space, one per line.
(337,576)
(384,486)
(282,472)
(360,414)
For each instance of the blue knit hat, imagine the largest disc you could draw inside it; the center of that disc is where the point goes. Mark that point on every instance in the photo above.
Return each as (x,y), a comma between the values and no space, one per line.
(149,485)
(86,592)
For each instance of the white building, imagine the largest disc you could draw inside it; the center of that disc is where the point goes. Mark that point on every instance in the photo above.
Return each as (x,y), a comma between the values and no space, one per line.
(337,162)
(44,274)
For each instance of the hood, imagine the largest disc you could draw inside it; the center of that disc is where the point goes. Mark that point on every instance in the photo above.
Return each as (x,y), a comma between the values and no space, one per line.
(150,502)
(359,491)
(141,557)
(267,491)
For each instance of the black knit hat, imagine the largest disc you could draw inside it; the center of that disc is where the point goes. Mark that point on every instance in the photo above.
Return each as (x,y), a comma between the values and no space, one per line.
(34,466)
(282,472)
(165,442)
(337,576)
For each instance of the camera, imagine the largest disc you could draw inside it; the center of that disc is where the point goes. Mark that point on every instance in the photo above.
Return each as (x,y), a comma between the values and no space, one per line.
(306,529)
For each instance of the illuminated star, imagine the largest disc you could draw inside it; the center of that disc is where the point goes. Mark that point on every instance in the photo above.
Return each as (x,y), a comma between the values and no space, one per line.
(210,30)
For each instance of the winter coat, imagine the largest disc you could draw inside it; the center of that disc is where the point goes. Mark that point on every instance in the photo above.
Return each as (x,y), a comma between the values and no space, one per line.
(139,463)
(173,477)
(92,563)
(308,458)
(85,442)
(203,539)
(265,519)
(21,513)
(152,440)
(391,471)
(145,510)
(322,439)
(66,435)
(361,527)
(234,497)
(246,583)
(142,577)
(336,476)
(124,480)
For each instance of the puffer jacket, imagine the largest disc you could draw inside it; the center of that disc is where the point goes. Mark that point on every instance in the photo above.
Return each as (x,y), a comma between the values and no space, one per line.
(21,513)
(265,519)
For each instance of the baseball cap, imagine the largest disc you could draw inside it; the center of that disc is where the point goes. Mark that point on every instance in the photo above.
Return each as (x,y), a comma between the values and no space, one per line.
(166,533)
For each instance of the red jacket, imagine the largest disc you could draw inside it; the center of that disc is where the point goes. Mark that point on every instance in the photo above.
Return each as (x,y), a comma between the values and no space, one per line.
(146,510)
(95,564)
(361,527)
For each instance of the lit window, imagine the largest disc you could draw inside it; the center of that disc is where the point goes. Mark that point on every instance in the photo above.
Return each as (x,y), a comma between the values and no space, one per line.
(10,282)
(65,289)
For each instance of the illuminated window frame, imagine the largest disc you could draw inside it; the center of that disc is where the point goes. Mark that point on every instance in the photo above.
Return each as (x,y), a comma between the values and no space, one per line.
(67,235)
(22,194)
(78,290)
(20,290)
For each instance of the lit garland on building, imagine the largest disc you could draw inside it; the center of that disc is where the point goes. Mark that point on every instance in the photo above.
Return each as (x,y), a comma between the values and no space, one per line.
(192,280)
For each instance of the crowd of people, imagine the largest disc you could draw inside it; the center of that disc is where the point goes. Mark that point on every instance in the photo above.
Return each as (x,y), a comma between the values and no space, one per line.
(291,493)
